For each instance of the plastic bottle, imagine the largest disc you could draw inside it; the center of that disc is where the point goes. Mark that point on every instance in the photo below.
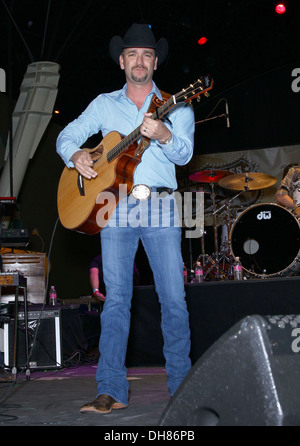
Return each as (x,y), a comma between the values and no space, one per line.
(185,274)
(198,273)
(237,269)
(52,296)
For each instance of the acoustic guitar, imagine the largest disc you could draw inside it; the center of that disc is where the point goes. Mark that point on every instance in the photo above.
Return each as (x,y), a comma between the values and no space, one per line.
(79,200)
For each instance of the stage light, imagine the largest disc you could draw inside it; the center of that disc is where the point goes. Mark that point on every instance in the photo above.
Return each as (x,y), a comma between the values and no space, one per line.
(202,41)
(280,8)
(56,112)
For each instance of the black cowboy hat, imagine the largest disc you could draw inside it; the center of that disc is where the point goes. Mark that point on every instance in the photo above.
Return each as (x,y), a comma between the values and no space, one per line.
(138,36)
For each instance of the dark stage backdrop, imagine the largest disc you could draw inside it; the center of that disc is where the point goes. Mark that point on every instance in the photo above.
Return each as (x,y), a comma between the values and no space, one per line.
(263,111)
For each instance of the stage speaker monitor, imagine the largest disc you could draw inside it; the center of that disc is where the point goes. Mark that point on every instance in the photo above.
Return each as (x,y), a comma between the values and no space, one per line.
(249,377)
(44,340)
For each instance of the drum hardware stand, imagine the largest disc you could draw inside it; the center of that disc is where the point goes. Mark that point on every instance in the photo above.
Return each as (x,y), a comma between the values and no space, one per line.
(215,258)
(231,199)
(215,265)
(224,255)
(203,256)
(210,176)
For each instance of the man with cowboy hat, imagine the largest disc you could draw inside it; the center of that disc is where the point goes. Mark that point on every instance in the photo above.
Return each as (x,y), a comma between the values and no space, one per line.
(171,143)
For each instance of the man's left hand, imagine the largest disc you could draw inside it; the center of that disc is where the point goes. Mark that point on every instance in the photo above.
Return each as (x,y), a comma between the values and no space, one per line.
(154,129)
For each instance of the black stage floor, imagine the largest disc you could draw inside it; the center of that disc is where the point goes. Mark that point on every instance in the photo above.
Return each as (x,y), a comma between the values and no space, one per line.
(54,398)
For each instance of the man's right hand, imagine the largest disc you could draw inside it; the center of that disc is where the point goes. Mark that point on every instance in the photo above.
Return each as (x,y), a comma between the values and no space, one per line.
(83,163)
(99,296)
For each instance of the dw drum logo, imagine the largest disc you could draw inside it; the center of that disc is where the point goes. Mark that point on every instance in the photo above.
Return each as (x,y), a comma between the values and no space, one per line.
(264,215)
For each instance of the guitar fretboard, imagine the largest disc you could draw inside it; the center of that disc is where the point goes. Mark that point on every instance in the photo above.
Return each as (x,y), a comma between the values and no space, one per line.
(133,136)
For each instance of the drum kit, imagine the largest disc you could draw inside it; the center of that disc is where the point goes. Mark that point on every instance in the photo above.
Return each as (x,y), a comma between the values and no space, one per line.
(265,237)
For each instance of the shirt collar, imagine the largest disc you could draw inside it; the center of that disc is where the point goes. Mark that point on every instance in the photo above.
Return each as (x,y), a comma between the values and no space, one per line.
(154,90)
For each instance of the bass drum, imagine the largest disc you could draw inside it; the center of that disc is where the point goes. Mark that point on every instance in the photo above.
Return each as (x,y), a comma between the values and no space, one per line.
(266,238)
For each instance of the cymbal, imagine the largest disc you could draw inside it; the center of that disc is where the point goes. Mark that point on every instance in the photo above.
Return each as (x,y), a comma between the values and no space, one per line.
(250,180)
(209,176)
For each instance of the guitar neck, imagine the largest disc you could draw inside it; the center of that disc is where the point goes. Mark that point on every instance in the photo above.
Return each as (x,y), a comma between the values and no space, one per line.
(136,133)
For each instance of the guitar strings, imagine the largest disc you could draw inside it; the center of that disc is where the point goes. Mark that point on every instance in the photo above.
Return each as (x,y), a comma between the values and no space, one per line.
(129,139)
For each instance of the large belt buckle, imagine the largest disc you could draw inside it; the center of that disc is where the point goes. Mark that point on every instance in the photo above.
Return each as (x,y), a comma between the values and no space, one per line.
(141,192)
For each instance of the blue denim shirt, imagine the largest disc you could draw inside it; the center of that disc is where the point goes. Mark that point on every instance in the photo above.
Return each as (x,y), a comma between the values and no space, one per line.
(116,112)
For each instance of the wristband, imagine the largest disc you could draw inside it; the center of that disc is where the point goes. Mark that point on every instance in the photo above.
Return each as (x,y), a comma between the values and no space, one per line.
(94,290)
(169,140)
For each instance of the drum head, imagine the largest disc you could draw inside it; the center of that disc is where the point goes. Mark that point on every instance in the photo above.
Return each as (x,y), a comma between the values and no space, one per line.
(266,237)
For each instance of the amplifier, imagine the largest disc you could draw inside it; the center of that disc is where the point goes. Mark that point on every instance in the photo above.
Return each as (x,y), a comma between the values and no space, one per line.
(44,340)
(31,265)
(14,237)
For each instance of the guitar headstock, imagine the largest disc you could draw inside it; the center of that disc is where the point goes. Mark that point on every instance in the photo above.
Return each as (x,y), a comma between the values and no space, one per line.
(196,89)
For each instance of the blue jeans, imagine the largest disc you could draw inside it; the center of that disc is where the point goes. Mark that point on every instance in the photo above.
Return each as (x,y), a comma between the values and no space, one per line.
(162,245)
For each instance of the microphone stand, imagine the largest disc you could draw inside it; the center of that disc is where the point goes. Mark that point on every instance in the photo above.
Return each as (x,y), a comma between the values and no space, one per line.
(246,188)
(224,115)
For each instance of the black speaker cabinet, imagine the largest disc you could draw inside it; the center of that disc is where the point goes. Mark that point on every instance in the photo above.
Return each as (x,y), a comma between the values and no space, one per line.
(44,340)
(249,377)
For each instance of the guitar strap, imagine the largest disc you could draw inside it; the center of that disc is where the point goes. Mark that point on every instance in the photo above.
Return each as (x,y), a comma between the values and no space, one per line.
(155,103)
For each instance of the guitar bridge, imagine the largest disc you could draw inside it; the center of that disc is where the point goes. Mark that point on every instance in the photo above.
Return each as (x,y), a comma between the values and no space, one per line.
(80,185)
